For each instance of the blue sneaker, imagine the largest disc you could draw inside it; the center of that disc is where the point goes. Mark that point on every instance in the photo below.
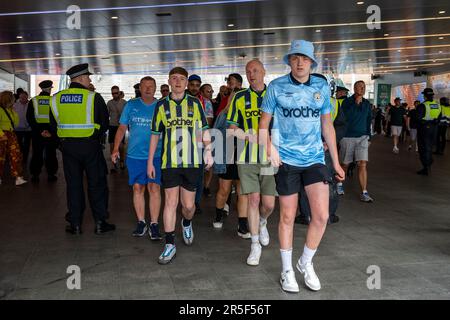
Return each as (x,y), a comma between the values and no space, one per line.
(168,254)
(141,229)
(153,232)
(364,197)
(188,233)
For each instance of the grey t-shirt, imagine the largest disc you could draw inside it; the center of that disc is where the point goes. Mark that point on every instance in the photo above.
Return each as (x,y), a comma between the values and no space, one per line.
(115,109)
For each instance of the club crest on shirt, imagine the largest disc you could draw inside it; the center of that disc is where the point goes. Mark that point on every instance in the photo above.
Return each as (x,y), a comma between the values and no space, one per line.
(317,96)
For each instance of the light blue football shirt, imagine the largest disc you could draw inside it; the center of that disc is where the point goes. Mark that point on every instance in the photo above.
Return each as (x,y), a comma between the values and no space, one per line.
(296,109)
(138,117)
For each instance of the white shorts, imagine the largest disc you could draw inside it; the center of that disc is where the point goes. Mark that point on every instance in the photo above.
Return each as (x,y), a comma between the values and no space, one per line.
(396,130)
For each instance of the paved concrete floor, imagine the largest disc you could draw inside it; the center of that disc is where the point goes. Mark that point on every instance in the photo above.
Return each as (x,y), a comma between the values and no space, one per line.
(406,232)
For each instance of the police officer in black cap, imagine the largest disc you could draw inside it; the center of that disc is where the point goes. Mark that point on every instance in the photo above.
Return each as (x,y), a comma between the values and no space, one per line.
(80,118)
(44,143)
(428,114)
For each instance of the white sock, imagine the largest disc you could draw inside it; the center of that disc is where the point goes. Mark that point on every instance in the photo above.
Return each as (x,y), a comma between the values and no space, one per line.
(142,221)
(364,191)
(307,255)
(286,259)
(255,239)
(262,220)
(339,183)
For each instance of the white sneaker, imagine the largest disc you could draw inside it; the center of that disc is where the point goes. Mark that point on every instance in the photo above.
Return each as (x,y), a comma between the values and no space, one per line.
(311,279)
(188,234)
(288,281)
(255,254)
(20,181)
(226,208)
(263,234)
(396,150)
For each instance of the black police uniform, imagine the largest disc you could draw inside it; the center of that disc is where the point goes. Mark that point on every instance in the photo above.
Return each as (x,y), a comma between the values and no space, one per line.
(86,155)
(44,149)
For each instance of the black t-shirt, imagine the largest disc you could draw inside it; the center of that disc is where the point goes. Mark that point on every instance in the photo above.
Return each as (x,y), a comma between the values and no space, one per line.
(413,122)
(397,114)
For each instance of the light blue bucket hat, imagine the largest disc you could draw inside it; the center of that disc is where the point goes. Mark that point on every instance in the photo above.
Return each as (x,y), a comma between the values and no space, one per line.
(301,47)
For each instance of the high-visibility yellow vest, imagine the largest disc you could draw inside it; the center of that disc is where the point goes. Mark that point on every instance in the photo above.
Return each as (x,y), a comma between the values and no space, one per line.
(41,105)
(433,110)
(445,117)
(73,110)
(335,104)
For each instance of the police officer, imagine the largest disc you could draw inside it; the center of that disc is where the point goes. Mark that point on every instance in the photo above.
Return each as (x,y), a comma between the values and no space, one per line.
(444,122)
(428,113)
(43,141)
(80,118)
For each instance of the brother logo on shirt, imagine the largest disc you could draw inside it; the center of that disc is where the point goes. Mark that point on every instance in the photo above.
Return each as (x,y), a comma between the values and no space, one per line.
(254,113)
(179,122)
(71,98)
(302,112)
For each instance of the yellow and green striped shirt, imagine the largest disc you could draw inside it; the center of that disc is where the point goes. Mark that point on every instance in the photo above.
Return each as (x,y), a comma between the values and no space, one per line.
(180,124)
(245,112)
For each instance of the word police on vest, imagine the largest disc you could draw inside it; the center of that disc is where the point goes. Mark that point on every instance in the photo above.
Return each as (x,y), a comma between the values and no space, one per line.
(71,98)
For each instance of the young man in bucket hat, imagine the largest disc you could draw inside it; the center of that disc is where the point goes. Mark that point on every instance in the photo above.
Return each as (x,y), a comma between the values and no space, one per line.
(300,106)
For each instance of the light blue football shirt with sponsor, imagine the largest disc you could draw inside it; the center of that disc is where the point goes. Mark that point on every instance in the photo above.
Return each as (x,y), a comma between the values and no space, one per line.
(296,109)
(138,117)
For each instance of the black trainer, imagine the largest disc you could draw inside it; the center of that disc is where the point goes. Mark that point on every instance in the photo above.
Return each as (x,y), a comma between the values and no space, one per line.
(333,219)
(72,229)
(102,227)
(154,232)
(302,219)
(141,229)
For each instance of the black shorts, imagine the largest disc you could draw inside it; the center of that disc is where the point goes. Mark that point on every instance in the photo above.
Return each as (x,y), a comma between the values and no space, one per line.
(186,178)
(112,134)
(231,174)
(290,179)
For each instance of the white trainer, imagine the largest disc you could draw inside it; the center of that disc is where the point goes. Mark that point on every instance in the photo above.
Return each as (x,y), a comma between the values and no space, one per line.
(20,181)
(288,282)
(264,238)
(226,208)
(311,279)
(255,254)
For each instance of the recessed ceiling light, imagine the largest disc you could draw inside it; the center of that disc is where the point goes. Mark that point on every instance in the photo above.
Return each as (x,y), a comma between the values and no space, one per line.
(434,60)
(399,50)
(19,37)
(441,38)
(351,49)
(440,51)
(360,3)
(318,30)
(369,60)
(441,12)
(57,54)
(222,45)
(134,41)
(231,25)
(386,34)
(114,18)
(276,58)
